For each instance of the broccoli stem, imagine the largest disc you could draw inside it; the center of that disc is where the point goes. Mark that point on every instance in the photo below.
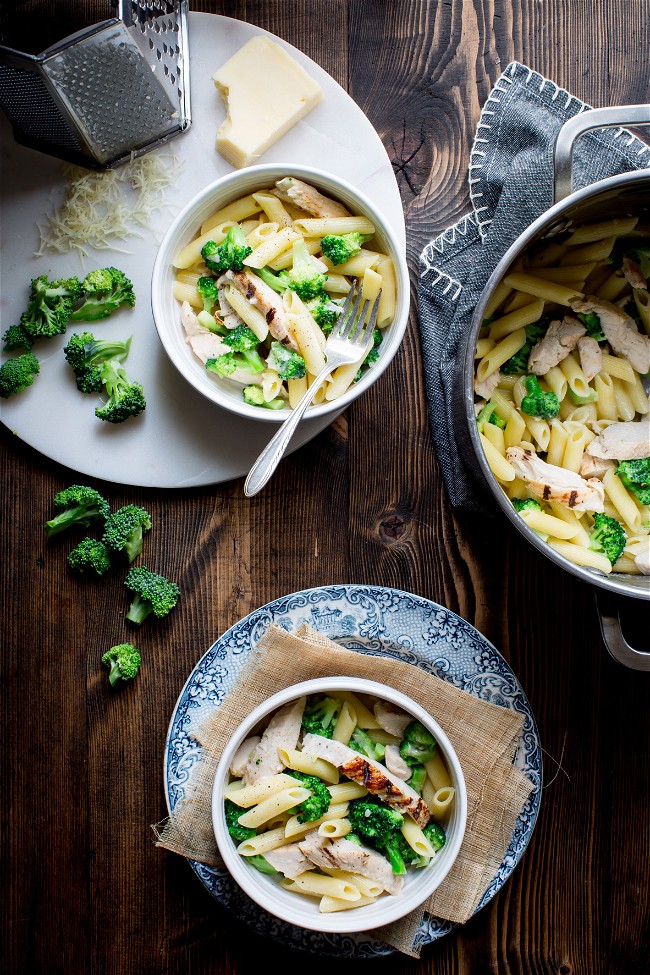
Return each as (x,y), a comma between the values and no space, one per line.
(138,610)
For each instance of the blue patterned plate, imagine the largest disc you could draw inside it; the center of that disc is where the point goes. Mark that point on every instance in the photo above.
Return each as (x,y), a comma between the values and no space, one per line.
(378,621)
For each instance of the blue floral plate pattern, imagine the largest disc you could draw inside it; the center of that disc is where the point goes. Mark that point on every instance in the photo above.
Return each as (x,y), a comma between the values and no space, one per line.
(373,620)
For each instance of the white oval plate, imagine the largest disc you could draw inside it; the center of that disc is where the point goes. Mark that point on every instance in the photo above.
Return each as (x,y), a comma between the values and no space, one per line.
(374,620)
(181,439)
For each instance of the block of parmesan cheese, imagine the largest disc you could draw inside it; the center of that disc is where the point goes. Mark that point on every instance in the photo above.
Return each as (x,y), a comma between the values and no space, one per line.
(266,92)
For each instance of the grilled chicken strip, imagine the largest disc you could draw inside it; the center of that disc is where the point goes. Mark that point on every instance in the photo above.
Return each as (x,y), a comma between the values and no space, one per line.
(267,302)
(591,357)
(392,719)
(560,339)
(553,483)
(282,731)
(342,854)
(632,274)
(622,441)
(308,198)
(376,777)
(620,331)
(289,860)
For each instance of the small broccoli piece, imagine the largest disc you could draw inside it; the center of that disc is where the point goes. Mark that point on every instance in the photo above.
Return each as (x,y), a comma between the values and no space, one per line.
(77,505)
(325,311)
(319,715)
(124,662)
(318,802)
(229,255)
(17,374)
(398,851)
(229,362)
(517,364)
(526,504)
(380,826)
(234,827)
(418,778)
(125,398)
(49,306)
(207,289)
(538,403)
(17,337)
(635,475)
(373,354)
(86,355)
(278,282)
(340,248)
(104,291)
(361,741)
(418,744)
(435,835)
(608,536)
(304,276)
(153,594)
(591,397)
(262,864)
(90,553)
(244,343)
(488,414)
(353,838)
(124,529)
(287,363)
(254,396)
(591,322)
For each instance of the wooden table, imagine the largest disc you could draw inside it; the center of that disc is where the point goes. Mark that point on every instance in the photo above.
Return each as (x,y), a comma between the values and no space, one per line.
(85,889)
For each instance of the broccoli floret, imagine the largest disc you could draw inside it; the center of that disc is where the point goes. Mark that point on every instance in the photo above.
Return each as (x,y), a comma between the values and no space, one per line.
(517,364)
(398,852)
(124,662)
(153,594)
(77,505)
(608,536)
(339,249)
(380,826)
(418,778)
(17,374)
(125,398)
(304,276)
(287,363)
(526,504)
(538,403)
(234,827)
(104,291)
(418,744)
(353,838)
(207,289)
(124,529)
(229,362)
(488,414)
(635,475)
(254,396)
(261,863)
(325,311)
(591,322)
(278,282)
(361,741)
(90,553)
(17,337)
(229,255)
(591,397)
(319,715)
(50,306)
(244,342)
(435,835)
(86,355)
(318,802)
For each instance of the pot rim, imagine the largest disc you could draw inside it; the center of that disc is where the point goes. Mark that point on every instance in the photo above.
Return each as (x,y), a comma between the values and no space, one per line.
(616,583)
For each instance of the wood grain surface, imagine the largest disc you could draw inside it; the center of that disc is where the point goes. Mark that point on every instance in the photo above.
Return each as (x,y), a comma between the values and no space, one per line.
(84,888)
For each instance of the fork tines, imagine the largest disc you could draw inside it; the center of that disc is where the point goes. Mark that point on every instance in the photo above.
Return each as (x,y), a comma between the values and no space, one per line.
(352,317)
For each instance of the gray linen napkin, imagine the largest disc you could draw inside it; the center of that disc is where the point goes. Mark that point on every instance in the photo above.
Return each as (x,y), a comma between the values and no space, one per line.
(511,184)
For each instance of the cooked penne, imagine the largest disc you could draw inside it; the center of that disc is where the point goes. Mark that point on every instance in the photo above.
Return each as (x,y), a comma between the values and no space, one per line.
(541,522)
(322,226)
(333,828)
(500,354)
(250,795)
(547,290)
(274,208)
(329,905)
(345,723)
(365,717)
(320,885)
(346,791)
(271,246)
(247,312)
(263,843)
(302,762)
(588,232)
(606,403)
(277,803)
(416,839)
(598,251)
(295,829)
(620,498)
(192,253)
(232,213)
(529,313)
(619,368)
(582,556)
(502,470)
(442,802)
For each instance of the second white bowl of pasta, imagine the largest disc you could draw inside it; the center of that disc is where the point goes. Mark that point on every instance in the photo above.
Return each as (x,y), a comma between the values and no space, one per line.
(251,276)
(313,820)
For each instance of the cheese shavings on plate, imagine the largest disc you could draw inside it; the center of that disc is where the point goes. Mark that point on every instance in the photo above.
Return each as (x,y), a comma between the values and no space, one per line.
(266,92)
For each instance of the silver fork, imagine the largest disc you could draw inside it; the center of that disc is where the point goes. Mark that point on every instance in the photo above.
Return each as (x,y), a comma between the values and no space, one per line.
(349,341)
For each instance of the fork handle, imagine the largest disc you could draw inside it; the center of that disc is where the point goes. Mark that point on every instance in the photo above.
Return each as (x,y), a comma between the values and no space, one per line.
(268,460)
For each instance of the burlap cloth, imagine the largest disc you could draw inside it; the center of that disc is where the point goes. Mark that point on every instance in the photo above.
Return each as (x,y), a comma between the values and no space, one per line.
(483,735)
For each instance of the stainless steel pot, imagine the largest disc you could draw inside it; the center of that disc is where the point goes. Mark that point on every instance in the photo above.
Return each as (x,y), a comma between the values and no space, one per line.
(612,196)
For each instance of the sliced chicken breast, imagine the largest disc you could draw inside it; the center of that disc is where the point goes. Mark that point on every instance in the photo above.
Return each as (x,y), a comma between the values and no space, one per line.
(373,775)
(396,764)
(282,731)
(619,329)
(487,387)
(632,274)
(289,860)
(594,466)
(560,339)
(629,440)
(553,483)
(642,558)
(242,756)
(342,854)
(308,198)
(591,357)
(267,302)
(392,719)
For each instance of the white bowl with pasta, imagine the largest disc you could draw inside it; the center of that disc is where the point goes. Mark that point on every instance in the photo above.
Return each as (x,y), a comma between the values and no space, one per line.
(276,234)
(312,895)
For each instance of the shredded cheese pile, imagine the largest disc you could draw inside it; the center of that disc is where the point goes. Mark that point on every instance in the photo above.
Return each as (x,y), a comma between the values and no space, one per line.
(101,208)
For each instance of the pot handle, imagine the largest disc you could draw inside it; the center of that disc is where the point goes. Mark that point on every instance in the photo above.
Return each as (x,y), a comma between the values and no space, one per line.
(595,118)
(608,608)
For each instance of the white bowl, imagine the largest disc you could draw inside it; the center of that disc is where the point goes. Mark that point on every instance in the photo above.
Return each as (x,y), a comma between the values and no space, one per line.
(303,911)
(166,309)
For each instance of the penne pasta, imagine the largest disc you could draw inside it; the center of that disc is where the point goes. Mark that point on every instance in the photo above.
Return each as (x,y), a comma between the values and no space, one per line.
(322,226)
(540,288)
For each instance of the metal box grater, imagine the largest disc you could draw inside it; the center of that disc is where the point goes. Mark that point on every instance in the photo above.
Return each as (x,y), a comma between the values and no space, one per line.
(107,93)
